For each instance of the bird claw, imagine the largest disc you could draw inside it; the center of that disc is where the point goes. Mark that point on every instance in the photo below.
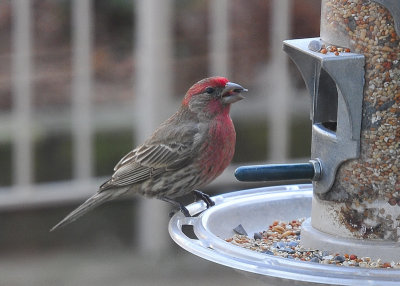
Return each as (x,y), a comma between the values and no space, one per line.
(200,195)
(179,205)
(204,197)
(185,211)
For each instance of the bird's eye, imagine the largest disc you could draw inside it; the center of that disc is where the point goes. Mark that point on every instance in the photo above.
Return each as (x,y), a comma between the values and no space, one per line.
(210,90)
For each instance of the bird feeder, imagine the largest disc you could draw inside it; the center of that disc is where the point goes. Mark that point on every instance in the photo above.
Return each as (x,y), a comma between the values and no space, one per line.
(352,73)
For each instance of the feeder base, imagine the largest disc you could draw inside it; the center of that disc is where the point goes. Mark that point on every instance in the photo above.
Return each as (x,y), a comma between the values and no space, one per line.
(254,209)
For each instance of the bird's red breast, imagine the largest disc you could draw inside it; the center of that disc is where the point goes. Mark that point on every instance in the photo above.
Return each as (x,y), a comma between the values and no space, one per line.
(219,147)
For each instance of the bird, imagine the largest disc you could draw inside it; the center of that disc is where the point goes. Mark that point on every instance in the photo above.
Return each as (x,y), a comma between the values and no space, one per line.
(185,153)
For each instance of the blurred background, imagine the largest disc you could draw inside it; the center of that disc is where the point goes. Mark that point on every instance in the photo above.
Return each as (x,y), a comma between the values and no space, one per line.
(84,81)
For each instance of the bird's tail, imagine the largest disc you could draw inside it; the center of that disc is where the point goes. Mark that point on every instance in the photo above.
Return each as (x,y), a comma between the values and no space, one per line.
(89,204)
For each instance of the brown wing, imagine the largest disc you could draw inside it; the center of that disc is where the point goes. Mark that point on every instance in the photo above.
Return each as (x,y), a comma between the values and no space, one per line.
(161,153)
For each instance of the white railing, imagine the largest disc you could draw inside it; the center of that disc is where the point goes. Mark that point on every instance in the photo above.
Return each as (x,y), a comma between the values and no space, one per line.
(153,52)
(82,89)
(22,112)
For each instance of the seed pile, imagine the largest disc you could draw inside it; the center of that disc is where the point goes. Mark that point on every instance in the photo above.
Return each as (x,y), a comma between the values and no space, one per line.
(374,177)
(283,239)
(334,49)
(317,46)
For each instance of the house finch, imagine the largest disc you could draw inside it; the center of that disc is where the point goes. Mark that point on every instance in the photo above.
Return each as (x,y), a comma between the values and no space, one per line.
(186,152)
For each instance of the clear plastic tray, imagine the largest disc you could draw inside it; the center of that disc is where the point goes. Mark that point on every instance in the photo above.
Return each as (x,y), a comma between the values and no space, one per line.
(255,209)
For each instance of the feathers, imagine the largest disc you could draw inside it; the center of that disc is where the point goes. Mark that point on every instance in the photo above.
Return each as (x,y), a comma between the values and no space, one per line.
(165,151)
(91,203)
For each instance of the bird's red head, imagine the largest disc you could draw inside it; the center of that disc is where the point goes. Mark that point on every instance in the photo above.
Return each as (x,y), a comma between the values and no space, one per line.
(201,86)
(212,95)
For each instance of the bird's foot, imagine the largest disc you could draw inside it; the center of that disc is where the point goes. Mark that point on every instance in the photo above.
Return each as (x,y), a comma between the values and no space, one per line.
(204,197)
(178,205)
(184,210)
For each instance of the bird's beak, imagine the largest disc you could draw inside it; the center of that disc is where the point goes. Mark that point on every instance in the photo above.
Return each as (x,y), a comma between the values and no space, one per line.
(232,93)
